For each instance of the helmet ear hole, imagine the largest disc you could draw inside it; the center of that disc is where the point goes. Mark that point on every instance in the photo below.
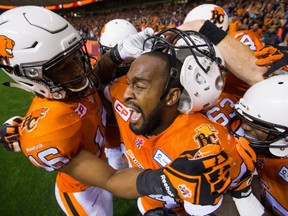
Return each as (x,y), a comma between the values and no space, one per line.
(203,85)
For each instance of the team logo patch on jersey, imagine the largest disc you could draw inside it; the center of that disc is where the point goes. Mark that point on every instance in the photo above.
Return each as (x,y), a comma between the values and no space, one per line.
(31,121)
(161,158)
(81,110)
(122,110)
(185,191)
(206,134)
(139,142)
(283,173)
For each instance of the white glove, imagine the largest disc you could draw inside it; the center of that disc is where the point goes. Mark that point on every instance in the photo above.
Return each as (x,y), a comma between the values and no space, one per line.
(132,46)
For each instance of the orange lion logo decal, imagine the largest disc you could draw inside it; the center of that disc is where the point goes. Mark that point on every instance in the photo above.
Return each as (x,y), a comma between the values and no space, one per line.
(6,49)
(206,134)
(217,15)
(31,121)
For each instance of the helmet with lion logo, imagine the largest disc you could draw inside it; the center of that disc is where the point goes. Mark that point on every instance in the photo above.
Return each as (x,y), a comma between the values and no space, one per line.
(36,44)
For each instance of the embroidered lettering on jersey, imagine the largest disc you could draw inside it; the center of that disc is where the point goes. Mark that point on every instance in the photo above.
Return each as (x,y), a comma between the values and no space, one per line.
(139,142)
(122,110)
(35,147)
(31,121)
(81,110)
(132,156)
(206,134)
(263,183)
(283,173)
(161,158)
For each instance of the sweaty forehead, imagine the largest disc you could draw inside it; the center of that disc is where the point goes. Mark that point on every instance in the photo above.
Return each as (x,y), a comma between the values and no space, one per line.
(148,67)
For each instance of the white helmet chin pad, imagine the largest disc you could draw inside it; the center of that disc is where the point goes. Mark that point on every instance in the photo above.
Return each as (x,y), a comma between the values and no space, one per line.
(279,152)
(201,89)
(200,75)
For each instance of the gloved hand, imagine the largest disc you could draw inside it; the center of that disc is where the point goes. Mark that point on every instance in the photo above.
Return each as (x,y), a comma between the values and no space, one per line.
(242,188)
(204,177)
(132,46)
(9,134)
(199,177)
(267,55)
(273,58)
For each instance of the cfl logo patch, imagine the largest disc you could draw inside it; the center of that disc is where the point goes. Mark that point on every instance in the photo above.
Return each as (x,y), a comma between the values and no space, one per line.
(186,192)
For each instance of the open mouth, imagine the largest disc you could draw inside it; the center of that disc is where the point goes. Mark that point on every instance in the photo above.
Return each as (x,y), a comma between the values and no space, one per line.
(135,116)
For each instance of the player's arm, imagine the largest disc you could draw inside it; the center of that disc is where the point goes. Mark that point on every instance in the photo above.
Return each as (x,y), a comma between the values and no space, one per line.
(126,50)
(206,170)
(239,58)
(91,170)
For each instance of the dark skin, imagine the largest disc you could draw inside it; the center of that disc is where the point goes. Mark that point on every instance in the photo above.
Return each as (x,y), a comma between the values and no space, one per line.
(146,83)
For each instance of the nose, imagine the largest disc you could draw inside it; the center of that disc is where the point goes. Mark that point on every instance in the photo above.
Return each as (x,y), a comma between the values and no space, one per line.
(246,127)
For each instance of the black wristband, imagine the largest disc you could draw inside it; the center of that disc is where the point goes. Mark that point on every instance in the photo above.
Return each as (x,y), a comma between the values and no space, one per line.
(212,32)
(154,182)
(115,56)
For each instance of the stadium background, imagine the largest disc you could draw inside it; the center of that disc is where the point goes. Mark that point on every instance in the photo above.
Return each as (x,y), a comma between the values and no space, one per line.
(25,190)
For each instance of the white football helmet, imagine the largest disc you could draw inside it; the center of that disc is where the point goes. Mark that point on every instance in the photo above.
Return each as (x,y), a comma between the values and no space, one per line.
(113,32)
(264,106)
(202,72)
(36,41)
(210,12)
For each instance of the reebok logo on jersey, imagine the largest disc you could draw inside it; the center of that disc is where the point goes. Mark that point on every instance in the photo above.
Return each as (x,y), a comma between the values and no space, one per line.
(31,121)
(185,191)
(283,173)
(122,110)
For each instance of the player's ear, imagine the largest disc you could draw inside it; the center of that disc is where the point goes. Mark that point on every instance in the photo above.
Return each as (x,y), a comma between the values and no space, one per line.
(173,96)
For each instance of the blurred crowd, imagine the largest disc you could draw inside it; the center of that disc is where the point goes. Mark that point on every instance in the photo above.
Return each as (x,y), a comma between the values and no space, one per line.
(268,18)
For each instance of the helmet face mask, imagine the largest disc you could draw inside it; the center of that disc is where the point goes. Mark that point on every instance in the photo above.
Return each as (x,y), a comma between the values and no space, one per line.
(201,74)
(267,113)
(43,47)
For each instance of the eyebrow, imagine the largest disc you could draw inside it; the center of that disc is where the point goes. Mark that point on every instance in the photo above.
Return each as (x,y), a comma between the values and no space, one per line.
(139,79)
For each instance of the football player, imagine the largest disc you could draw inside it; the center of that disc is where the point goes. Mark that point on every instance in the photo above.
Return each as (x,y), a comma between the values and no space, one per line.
(264,120)
(154,132)
(114,31)
(64,128)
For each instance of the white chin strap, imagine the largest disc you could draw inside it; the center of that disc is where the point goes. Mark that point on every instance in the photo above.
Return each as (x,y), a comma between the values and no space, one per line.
(80,89)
